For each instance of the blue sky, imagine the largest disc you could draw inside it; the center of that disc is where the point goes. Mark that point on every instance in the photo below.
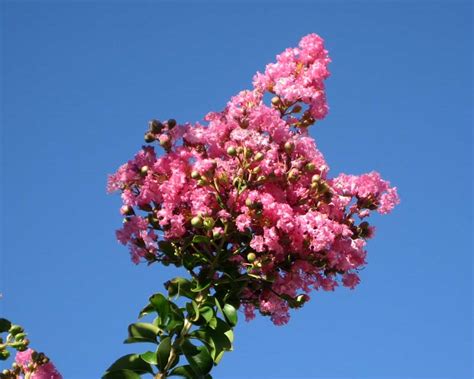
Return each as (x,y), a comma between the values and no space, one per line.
(80,81)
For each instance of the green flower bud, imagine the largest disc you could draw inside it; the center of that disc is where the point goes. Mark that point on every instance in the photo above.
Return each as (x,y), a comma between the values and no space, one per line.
(216,234)
(314,185)
(196,221)
(4,355)
(195,175)
(20,336)
(155,126)
(310,166)
(256,170)
(276,100)
(232,151)
(289,147)
(202,182)
(144,170)
(171,123)
(208,223)
(149,137)
(259,156)
(251,257)
(315,178)
(249,203)
(15,329)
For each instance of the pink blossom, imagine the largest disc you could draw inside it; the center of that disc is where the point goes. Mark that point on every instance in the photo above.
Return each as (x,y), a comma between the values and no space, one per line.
(45,371)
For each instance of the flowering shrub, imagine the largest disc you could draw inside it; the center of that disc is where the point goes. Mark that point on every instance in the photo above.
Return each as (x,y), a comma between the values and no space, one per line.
(29,364)
(246,205)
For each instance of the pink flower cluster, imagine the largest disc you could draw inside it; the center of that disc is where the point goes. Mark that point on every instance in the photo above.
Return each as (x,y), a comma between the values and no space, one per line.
(44,371)
(254,183)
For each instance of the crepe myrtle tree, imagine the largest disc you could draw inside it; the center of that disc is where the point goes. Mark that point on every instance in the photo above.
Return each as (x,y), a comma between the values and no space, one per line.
(245,203)
(28,363)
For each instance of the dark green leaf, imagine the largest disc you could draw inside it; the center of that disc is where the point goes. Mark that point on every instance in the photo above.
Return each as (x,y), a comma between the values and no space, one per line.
(183,371)
(198,357)
(166,247)
(201,286)
(163,352)
(142,332)
(179,287)
(207,313)
(161,305)
(5,325)
(201,239)
(121,374)
(130,362)
(230,314)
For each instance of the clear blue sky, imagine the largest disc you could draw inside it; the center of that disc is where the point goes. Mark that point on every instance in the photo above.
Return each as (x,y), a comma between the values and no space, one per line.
(79,83)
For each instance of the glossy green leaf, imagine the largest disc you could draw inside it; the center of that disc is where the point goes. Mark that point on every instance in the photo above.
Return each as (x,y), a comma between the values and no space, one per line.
(131,362)
(161,305)
(166,247)
(142,332)
(163,352)
(5,325)
(230,314)
(149,357)
(121,374)
(146,310)
(179,287)
(207,313)
(198,357)
(184,372)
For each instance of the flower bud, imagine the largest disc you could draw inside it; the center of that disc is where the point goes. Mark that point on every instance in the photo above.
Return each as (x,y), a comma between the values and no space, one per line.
(144,170)
(314,185)
(171,123)
(249,203)
(289,147)
(364,225)
(195,174)
(4,355)
(256,170)
(276,100)
(20,336)
(202,182)
(310,166)
(127,210)
(216,234)
(293,174)
(251,257)
(165,141)
(196,221)
(315,178)
(231,151)
(149,137)
(208,223)
(14,329)
(296,109)
(259,156)
(155,126)
(248,153)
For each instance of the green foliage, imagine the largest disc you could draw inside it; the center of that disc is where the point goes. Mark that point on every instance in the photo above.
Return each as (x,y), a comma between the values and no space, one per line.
(207,319)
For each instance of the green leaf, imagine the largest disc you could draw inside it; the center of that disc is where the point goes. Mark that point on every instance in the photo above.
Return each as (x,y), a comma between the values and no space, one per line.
(161,305)
(193,311)
(198,357)
(142,332)
(207,313)
(223,328)
(183,371)
(230,314)
(146,310)
(163,352)
(201,286)
(166,247)
(179,287)
(201,239)
(5,325)
(131,362)
(149,357)
(121,374)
